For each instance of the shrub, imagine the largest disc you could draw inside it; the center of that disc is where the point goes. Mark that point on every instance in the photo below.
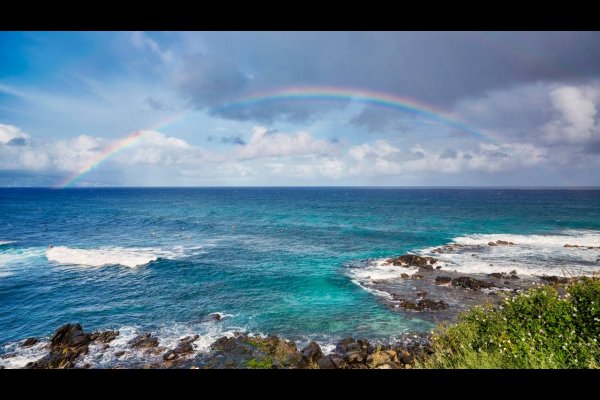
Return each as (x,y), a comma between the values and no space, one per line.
(536,329)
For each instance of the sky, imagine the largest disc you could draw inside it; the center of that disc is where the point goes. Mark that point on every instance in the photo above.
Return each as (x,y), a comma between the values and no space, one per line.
(95,109)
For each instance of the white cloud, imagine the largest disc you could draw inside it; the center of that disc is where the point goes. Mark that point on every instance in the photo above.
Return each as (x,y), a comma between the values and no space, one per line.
(265,143)
(12,134)
(272,158)
(141,41)
(575,117)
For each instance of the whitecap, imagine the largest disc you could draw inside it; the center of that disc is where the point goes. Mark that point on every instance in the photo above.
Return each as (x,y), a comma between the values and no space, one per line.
(528,255)
(128,257)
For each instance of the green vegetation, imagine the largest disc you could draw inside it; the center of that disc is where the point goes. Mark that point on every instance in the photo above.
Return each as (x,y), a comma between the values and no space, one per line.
(537,329)
(265,363)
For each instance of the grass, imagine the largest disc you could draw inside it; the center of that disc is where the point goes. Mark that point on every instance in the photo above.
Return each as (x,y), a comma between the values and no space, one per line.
(536,329)
(265,363)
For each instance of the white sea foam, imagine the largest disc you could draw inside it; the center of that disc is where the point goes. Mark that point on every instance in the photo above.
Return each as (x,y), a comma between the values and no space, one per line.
(18,357)
(127,257)
(529,255)
(5,242)
(572,237)
(168,338)
(380,269)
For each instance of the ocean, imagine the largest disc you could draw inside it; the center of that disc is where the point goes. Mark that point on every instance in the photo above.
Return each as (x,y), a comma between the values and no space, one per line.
(286,261)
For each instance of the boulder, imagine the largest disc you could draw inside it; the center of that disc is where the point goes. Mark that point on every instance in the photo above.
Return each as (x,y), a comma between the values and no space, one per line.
(29,342)
(331,362)
(497,275)
(427,304)
(69,335)
(145,340)
(443,280)
(470,283)
(554,279)
(378,358)
(412,260)
(312,353)
(68,343)
(354,357)
(185,345)
(104,337)
(342,346)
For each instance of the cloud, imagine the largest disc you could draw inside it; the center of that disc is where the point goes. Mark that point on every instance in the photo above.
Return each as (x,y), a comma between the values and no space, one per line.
(575,116)
(233,139)
(265,143)
(435,68)
(380,120)
(275,157)
(157,104)
(141,41)
(210,81)
(545,114)
(11,135)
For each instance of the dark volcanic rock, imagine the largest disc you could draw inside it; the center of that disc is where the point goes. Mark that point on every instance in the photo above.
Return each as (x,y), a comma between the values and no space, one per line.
(68,343)
(185,345)
(416,276)
(29,342)
(343,345)
(104,337)
(427,304)
(554,279)
(443,280)
(424,305)
(500,243)
(144,340)
(331,362)
(408,260)
(470,283)
(354,357)
(243,351)
(69,335)
(312,353)
(497,275)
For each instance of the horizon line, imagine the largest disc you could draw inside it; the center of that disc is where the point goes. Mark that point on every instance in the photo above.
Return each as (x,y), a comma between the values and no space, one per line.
(316,186)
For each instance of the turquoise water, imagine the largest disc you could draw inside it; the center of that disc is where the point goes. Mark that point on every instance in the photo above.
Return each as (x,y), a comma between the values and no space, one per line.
(273,260)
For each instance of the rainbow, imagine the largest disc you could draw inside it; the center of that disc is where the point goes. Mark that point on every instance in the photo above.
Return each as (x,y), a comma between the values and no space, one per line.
(109,151)
(116,147)
(311,93)
(367,97)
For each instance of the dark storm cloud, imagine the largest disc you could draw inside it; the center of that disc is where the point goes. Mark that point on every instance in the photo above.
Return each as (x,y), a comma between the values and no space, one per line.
(434,67)
(380,120)
(17,142)
(448,154)
(156,104)
(237,139)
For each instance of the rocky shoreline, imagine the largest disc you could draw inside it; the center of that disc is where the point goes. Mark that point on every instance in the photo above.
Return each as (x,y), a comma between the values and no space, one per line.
(70,344)
(430,291)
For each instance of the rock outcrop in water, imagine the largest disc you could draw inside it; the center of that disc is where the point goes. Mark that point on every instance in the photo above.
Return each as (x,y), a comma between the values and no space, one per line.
(412,260)
(68,343)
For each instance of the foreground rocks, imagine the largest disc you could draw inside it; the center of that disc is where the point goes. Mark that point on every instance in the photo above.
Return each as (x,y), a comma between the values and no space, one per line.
(243,351)
(68,344)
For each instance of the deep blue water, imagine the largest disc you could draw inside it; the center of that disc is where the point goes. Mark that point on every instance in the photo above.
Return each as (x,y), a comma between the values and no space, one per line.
(273,258)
